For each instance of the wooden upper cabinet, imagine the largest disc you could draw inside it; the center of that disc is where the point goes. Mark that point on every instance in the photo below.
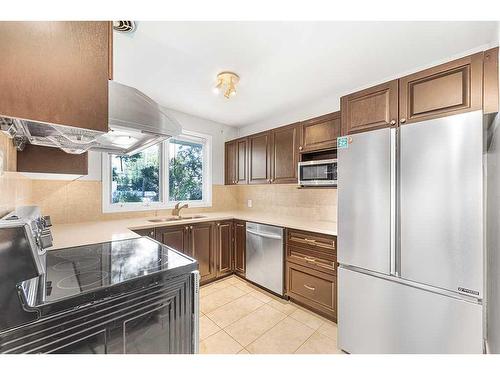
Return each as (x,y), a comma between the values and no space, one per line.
(284,154)
(320,133)
(490,81)
(42,159)
(259,158)
(56,72)
(241,161)
(230,163)
(444,90)
(369,109)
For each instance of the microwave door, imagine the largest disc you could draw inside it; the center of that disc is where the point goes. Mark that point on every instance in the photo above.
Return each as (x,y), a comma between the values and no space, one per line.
(318,173)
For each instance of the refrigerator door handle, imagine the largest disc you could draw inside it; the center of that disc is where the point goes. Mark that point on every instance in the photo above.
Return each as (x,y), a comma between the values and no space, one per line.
(393,210)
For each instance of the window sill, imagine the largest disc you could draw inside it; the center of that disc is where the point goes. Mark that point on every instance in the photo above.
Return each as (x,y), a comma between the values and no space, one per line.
(130,207)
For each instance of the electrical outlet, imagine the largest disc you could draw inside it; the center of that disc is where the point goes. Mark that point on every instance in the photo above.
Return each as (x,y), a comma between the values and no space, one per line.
(249,203)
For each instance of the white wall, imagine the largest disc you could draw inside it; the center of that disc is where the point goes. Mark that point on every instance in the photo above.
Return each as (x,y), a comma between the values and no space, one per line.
(219,132)
(331,103)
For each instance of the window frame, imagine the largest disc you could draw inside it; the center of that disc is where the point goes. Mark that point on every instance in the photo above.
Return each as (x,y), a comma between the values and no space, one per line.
(163,203)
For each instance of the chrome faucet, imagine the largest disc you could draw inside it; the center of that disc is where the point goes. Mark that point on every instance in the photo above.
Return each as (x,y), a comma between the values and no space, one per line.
(177,210)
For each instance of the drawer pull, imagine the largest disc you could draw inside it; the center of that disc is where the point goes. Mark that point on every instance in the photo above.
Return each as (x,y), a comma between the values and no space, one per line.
(308,240)
(310,260)
(309,287)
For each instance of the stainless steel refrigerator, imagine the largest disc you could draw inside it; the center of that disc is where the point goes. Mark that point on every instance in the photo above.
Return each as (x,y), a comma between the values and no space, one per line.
(411,238)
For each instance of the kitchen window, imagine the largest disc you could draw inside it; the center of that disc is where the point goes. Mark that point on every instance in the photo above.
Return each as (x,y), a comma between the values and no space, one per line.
(160,176)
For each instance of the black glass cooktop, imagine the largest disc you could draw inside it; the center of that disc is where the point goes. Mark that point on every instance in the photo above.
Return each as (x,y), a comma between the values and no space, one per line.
(76,270)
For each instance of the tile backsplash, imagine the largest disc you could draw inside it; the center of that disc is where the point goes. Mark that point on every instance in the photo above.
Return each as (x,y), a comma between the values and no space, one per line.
(15,189)
(288,200)
(81,200)
(78,201)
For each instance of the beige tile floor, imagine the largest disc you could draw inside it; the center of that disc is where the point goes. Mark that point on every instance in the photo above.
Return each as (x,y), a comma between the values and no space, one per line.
(239,318)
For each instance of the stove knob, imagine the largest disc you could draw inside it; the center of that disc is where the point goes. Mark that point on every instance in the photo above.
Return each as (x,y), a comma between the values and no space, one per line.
(46,239)
(47,222)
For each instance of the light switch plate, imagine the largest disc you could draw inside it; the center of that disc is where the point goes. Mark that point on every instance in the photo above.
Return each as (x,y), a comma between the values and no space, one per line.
(249,203)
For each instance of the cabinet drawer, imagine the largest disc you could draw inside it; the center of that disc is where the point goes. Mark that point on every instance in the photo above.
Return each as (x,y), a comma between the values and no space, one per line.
(313,259)
(315,289)
(313,241)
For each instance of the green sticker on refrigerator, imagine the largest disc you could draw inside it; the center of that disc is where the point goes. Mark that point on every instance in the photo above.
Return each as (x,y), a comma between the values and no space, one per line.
(342,142)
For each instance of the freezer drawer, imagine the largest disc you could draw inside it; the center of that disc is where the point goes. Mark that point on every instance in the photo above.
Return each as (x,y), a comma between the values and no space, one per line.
(364,201)
(376,315)
(441,203)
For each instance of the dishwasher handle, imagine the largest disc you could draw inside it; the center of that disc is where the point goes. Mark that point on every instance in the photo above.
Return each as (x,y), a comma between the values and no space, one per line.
(274,237)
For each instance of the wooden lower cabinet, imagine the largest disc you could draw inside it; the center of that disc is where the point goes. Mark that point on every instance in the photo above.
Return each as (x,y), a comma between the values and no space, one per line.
(175,237)
(201,248)
(148,232)
(240,247)
(194,240)
(224,247)
(311,271)
(313,289)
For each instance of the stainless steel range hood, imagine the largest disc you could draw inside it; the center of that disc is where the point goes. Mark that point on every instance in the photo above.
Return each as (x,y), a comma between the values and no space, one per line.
(135,123)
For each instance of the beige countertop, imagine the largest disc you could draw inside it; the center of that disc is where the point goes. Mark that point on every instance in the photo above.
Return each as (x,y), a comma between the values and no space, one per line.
(68,235)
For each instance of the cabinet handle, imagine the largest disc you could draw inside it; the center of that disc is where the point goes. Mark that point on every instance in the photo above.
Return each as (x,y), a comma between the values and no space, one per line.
(393,122)
(308,240)
(186,227)
(190,227)
(218,224)
(309,287)
(403,120)
(310,260)
(301,148)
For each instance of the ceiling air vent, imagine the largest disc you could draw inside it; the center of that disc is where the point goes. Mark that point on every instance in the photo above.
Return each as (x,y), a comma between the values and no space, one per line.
(124,26)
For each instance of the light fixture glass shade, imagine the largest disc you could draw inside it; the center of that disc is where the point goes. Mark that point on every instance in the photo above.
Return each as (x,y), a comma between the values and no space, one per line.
(226,83)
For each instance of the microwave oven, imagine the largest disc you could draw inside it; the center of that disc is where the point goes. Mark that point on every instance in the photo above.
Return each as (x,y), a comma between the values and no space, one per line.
(318,173)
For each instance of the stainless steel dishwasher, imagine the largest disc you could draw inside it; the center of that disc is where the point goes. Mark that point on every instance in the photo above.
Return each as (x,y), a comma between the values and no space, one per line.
(264,256)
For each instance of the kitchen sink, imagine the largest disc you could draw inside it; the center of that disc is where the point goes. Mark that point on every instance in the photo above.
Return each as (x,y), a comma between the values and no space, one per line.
(175,218)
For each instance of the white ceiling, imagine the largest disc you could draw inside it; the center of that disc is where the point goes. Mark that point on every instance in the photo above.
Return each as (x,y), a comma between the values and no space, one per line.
(282,65)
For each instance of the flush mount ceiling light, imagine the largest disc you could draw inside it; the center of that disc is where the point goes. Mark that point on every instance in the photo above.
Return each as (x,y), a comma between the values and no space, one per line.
(226,83)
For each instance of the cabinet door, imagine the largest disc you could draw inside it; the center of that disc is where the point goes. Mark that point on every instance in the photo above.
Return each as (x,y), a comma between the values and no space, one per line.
(148,232)
(239,247)
(230,163)
(259,147)
(56,72)
(41,159)
(285,154)
(201,244)
(314,289)
(174,237)
(444,90)
(320,133)
(241,161)
(490,81)
(224,248)
(373,108)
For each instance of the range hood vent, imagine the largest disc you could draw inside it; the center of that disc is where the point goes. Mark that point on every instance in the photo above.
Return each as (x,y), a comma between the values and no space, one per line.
(135,123)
